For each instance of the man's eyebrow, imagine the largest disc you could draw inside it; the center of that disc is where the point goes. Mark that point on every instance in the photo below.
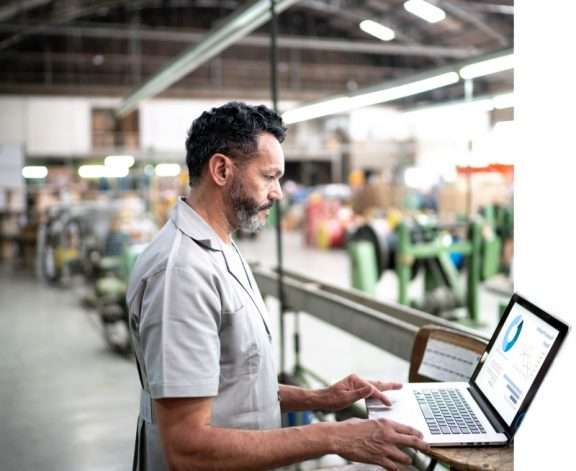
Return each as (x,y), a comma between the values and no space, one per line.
(277,171)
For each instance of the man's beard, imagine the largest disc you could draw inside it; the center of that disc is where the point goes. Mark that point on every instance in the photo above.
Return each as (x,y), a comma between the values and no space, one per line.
(245,209)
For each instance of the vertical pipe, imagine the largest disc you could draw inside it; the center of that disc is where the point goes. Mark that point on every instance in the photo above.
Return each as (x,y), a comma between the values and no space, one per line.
(469,94)
(135,47)
(475,236)
(278,208)
(403,262)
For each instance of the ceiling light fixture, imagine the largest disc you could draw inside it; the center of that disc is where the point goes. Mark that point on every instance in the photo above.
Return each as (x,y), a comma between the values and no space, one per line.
(34,172)
(167,170)
(487,67)
(102,171)
(377,30)
(426,11)
(348,103)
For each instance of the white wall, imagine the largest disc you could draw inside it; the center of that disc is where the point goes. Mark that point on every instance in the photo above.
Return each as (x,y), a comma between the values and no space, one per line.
(545,193)
(443,134)
(61,126)
(165,123)
(58,126)
(46,125)
(12,120)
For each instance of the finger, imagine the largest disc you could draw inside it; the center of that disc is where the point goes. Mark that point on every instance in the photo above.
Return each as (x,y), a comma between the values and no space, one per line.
(361,392)
(388,465)
(405,429)
(413,442)
(382,386)
(377,394)
(398,456)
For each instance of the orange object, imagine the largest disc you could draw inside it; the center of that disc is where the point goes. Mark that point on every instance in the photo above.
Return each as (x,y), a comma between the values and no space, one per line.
(504,169)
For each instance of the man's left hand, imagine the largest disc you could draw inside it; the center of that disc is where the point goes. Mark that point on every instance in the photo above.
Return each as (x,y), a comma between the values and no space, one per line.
(347,391)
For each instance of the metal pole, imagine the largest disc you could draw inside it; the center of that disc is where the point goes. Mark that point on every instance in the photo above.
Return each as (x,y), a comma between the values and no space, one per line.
(469,94)
(279,247)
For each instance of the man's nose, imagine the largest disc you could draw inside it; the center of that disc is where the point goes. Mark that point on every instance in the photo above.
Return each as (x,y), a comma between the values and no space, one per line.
(276,193)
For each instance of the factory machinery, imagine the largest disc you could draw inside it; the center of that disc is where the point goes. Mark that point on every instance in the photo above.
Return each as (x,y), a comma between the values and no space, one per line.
(442,254)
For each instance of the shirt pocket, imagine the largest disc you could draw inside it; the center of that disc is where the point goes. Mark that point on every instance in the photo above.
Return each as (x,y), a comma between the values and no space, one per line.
(240,352)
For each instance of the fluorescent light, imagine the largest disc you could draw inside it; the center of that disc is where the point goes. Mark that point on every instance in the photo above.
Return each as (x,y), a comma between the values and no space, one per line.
(102,171)
(487,67)
(167,170)
(345,104)
(34,171)
(408,89)
(377,30)
(119,161)
(316,110)
(426,11)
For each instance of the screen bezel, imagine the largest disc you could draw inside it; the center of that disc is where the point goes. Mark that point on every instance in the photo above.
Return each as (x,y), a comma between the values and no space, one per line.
(562,328)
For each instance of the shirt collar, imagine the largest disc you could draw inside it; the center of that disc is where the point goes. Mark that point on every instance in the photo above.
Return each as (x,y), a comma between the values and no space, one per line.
(191,223)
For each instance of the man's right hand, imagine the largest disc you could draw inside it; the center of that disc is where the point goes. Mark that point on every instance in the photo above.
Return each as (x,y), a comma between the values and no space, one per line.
(377,442)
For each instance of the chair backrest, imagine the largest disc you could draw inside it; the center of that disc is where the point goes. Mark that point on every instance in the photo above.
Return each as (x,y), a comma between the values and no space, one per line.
(443,354)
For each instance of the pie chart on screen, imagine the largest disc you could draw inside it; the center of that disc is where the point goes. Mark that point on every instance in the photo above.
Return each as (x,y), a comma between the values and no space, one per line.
(512,333)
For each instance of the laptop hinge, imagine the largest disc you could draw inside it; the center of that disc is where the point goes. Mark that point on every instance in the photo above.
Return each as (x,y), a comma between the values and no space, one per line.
(487,409)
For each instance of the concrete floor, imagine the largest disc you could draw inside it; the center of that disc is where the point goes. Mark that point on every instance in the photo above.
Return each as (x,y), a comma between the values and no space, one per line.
(69,404)
(66,402)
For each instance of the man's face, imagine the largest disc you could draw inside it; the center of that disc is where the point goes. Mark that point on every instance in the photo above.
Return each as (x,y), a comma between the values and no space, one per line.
(256,186)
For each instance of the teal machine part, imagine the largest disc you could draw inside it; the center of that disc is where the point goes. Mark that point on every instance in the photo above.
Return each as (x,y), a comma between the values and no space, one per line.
(364,270)
(438,255)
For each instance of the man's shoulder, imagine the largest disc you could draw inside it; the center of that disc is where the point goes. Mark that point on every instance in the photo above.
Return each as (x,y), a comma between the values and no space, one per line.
(169,250)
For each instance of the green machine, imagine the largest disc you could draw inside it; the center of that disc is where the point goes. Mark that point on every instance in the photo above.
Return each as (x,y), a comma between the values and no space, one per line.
(433,251)
(443,254)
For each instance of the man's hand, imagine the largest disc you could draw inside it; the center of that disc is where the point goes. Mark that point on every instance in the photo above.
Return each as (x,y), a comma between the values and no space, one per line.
(377,442)
(347,391)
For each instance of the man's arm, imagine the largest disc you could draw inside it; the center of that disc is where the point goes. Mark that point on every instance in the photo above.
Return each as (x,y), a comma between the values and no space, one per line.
(191,443)
(336,397)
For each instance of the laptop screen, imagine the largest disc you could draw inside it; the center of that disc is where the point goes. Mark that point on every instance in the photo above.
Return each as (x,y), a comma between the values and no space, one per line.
(516,355)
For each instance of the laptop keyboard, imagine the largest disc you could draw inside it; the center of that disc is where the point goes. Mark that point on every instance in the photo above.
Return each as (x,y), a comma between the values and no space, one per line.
(447,412)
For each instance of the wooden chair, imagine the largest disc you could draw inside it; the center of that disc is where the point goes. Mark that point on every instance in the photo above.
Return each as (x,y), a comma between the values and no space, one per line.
(443,354)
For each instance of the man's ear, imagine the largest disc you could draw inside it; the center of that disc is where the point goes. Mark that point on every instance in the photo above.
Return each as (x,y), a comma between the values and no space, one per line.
(220,169)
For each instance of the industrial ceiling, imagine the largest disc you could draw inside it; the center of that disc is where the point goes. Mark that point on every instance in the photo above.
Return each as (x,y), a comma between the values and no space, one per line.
(112,47)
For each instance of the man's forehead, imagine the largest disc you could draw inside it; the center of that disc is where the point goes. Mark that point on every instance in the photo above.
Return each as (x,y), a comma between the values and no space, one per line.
(270,153)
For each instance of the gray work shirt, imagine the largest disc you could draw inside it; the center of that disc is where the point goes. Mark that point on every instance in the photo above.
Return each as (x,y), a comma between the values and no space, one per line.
(199,329)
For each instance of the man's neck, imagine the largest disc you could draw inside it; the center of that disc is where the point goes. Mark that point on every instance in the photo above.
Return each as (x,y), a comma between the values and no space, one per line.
(210,207)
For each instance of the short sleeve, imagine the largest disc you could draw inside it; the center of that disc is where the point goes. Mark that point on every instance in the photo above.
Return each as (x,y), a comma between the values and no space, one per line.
(180,318)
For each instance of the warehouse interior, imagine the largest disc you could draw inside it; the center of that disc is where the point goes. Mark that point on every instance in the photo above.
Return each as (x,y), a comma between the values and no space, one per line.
(398,205)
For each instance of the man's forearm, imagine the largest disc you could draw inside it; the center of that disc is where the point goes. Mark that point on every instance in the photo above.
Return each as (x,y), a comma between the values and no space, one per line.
(294,398)
(213,449)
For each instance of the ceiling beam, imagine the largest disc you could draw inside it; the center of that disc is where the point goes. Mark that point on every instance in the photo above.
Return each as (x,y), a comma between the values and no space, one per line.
(19,6)
(64,15)
(234,27)
(474,18)
(494,8)
(292,42)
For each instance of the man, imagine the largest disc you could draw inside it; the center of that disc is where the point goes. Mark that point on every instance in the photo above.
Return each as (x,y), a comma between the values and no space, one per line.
(210,398)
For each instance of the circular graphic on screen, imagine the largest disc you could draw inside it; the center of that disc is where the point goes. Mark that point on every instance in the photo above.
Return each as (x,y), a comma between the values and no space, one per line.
(512,333)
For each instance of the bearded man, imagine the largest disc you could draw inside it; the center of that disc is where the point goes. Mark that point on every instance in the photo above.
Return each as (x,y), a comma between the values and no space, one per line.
(210,397)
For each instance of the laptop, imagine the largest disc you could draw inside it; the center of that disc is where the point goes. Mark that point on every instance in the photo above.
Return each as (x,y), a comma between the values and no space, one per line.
(488,409)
